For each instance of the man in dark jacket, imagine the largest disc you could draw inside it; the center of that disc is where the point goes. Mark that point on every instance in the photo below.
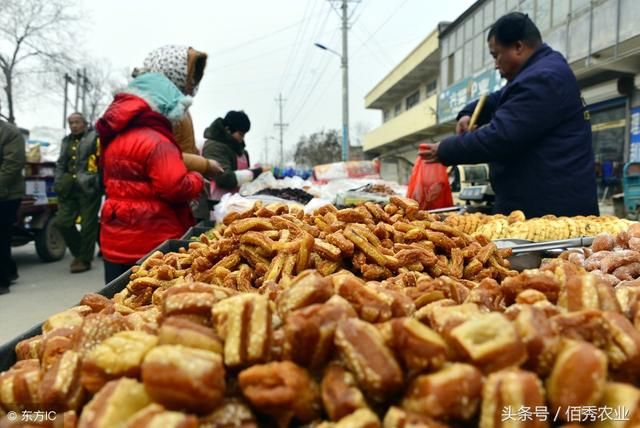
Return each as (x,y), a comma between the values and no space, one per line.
(79,193)
(225,144)
(12,160)
(534,132)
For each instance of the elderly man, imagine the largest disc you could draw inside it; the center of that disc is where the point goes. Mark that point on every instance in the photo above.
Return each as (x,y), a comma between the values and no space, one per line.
(535,131)
(12,160)
(79,192)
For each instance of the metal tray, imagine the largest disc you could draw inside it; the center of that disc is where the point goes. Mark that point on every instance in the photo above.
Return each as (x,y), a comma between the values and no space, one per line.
(7,351)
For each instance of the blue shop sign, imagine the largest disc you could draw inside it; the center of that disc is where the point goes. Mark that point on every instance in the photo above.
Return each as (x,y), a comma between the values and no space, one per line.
(456,96)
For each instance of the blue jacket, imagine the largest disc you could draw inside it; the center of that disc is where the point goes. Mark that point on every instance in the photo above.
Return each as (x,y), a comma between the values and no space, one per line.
(537,140)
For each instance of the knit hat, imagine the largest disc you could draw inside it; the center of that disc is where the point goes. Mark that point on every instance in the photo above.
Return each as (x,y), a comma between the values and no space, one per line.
(237,121)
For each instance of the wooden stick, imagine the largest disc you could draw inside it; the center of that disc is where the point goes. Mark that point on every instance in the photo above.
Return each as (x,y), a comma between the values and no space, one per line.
(476,111)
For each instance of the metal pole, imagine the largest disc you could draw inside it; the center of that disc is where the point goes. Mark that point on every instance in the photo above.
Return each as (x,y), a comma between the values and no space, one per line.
(345,82)
(78,85)
(66,100)
(84,91)
(281,136)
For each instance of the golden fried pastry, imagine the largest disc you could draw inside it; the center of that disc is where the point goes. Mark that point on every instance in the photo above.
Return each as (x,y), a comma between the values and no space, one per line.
(489,341)
(417,346)
(568,385)
(340,394)
(193,299)
(624,399)
(309,332)
(19,386)
(244,323)
(114,404)
(154,415)
(308,288)
(587,292)
(371,304)
(512,390)
(232,413)
(362,347)
(70,318)
(451,393)
(283,390)
(181,331)
(29,348)
(399,418)
(184,378)
(361,418)
(623,343)
(541,341)
(95,328)
(120,355)
(146,320)
(60,388)
(96,302)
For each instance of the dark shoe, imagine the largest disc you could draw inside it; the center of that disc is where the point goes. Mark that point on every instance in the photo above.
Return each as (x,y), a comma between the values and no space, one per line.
(78,266)
(4,289)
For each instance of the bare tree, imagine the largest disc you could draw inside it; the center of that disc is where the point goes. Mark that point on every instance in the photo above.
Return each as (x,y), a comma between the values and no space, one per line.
(103,80)
(317,149)
(35,38)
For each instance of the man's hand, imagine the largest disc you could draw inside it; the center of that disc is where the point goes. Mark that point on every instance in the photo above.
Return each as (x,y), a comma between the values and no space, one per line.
(430,154)
(463,125)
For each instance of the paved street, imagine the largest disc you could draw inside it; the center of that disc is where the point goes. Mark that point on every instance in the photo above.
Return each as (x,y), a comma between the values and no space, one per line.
(42,290)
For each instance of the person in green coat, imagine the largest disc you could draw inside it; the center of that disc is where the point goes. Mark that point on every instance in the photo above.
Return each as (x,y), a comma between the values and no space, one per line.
(225,144)
(12,161)
(79,191)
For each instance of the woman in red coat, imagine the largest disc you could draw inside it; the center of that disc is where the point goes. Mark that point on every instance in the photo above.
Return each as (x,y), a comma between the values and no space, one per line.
(147,186)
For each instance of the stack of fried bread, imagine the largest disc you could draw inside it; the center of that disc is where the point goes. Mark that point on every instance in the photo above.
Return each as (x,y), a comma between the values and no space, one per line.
(365,317)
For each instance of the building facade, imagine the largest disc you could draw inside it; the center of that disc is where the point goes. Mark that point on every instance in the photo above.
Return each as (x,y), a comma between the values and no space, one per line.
(408,100)
(601,41)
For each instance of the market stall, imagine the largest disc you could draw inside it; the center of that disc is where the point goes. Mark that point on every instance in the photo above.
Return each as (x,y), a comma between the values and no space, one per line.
(377,315)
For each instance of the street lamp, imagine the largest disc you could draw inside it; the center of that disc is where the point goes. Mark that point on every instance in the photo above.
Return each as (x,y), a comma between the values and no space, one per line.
(345,94)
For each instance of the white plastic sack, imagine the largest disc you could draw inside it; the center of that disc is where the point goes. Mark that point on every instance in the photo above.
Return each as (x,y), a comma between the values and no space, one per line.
(314,204)
(230,202)
(48,139)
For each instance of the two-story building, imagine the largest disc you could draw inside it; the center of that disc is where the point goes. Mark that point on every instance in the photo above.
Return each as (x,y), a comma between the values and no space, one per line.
(601,41)
(408,100)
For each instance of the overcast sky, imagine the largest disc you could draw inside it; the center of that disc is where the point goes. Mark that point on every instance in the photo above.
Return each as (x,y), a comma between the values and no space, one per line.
(258,49)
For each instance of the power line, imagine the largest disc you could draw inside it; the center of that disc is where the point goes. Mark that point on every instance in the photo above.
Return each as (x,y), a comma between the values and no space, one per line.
(257,39)
(294,50)
(386,21)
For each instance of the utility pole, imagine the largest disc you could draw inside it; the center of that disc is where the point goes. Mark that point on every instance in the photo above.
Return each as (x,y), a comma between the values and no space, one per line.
(345,81)
(78,88)
(67,79)
(85,87)
(266,150)
(281,125)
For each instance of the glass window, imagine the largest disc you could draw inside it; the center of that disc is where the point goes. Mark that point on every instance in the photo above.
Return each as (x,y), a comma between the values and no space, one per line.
(457,65)
(468,29)
(501,9)
(432,88)
(528,7)
(468,58)
(543,15)
(478,26)
(604,20)
(488,59)
(487,11)
(412,99)
(608,129)
(577,5)
(560,11)
(398,109)
(579,37)
(386,115)
(444,72)
(478,50)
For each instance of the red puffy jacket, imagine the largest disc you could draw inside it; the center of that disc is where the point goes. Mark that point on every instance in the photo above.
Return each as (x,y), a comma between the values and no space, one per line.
(147,186)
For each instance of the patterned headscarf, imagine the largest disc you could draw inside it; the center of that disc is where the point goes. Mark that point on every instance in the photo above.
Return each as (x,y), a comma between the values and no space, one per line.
(173,62)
